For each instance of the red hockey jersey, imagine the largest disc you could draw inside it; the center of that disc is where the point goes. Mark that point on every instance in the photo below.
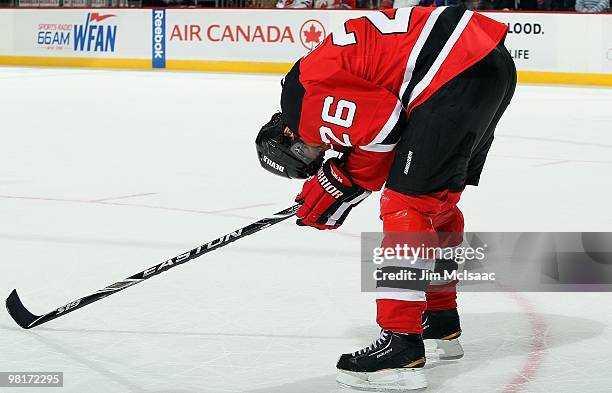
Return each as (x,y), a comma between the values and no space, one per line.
(358,87)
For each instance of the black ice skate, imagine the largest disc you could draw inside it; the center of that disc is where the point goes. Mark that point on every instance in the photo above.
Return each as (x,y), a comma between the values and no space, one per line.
(444,327)
(393,362)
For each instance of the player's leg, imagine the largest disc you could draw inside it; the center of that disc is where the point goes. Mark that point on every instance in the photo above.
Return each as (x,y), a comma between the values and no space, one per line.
(400,309)
(503,61)
(442,294)
(397,358)
(441,319)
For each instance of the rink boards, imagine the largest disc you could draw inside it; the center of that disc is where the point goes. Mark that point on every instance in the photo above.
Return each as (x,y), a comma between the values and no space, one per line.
(547,47)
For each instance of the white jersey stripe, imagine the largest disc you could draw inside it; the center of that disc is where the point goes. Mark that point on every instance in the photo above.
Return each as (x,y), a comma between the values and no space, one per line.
(378,148)
(422,85)
(418,46)
(388,127)
(408,295)
(412,58)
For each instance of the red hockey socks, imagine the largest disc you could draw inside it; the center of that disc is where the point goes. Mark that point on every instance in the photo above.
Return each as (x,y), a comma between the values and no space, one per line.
(401,310)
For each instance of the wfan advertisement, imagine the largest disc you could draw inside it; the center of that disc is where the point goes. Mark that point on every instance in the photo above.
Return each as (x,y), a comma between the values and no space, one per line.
(81,33)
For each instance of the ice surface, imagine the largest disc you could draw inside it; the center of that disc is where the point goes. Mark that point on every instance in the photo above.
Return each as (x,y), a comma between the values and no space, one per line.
(105,173)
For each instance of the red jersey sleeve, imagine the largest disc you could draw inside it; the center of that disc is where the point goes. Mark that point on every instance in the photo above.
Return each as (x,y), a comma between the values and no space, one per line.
(348,112)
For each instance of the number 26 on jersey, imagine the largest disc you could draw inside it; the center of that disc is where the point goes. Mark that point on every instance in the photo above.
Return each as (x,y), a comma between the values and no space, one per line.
(343,116)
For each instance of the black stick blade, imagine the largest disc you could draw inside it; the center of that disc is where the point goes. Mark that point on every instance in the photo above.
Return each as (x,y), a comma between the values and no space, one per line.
(17,310)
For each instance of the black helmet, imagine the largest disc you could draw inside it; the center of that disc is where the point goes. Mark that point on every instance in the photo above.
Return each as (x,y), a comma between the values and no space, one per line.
(283,155)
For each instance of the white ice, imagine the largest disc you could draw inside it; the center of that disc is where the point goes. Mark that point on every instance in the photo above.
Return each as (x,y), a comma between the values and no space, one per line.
(105,173)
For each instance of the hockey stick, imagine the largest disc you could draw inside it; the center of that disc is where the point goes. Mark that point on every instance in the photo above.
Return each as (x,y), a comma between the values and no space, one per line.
(27,320)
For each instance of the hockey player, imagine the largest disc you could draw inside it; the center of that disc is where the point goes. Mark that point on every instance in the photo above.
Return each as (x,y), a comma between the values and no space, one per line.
(412,97)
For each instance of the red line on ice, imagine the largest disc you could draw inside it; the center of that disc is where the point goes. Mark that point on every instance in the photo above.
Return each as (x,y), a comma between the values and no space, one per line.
(535,355)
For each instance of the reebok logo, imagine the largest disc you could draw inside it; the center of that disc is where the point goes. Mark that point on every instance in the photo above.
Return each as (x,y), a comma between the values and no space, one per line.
(408,162)
(158,47)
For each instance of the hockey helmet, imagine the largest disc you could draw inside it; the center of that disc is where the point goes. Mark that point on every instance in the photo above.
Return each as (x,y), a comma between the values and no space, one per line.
(286,155)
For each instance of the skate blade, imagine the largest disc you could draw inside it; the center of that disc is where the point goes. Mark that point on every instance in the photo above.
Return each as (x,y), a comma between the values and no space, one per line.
(391,380)
(449,349)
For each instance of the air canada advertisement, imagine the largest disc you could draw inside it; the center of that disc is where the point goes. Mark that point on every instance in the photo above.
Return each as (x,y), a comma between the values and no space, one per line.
(261,35)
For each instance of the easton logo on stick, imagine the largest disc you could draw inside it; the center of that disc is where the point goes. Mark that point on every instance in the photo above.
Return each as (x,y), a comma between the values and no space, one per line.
(190,254)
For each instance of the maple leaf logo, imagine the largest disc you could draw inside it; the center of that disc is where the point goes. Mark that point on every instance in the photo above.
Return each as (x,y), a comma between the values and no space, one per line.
(312,35)
(96,17)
